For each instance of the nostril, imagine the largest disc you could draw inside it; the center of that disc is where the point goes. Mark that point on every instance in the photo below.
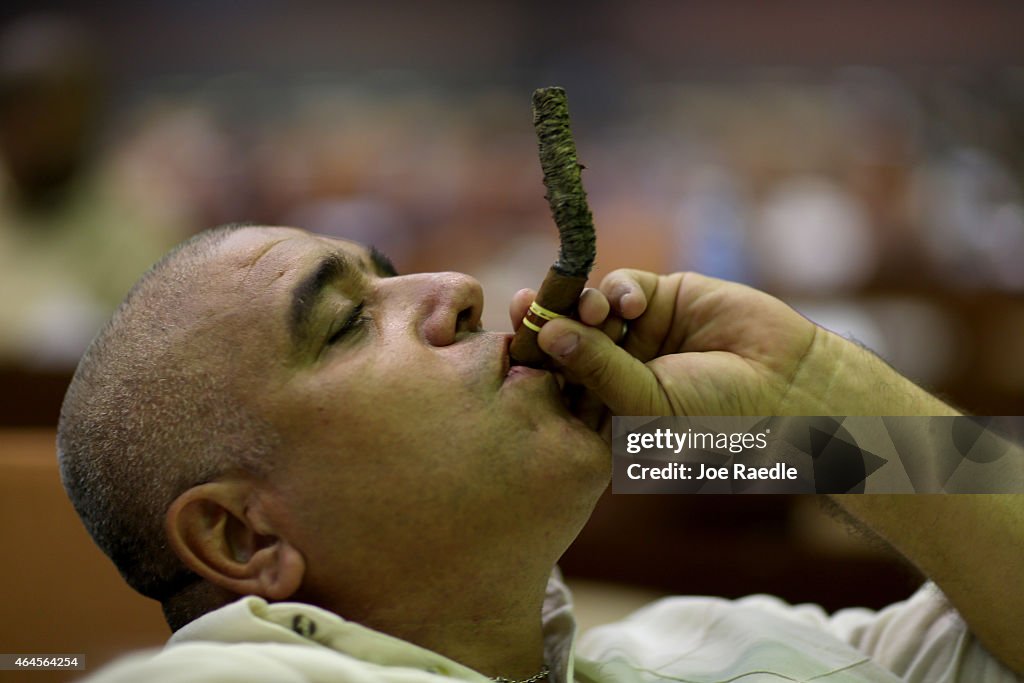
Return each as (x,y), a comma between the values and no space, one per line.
(464,322)
(451,305)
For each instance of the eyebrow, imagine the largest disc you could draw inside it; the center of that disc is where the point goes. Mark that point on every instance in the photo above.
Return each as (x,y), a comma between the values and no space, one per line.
(331,268)
(307,293)
(382,264)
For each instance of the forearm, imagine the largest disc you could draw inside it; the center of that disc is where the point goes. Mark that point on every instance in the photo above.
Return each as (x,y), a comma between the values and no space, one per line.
(971,546)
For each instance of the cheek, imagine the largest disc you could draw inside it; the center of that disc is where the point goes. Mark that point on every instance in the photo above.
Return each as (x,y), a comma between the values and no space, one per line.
(389,475)
(404,406)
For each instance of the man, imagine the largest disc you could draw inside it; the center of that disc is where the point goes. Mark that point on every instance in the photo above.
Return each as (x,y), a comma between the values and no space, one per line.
(279,415)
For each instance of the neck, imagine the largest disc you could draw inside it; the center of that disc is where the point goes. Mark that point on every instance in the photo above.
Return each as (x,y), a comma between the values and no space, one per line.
(497,634)
(489,623)
(504,645)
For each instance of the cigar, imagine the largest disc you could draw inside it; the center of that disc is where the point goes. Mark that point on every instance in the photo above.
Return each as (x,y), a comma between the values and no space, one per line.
(560,292)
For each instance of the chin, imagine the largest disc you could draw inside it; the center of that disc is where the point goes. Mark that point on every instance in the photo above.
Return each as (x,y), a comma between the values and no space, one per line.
(579,457)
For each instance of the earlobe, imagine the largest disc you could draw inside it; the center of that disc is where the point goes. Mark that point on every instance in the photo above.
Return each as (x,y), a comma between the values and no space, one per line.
(217,531)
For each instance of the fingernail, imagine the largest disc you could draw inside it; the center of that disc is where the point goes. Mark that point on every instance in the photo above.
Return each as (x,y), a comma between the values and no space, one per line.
(564,345)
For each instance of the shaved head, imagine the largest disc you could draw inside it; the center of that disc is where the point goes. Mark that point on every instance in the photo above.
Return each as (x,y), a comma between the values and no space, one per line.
(147,415)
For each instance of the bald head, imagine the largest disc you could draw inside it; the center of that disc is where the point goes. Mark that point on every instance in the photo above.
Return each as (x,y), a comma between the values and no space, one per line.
(148,414)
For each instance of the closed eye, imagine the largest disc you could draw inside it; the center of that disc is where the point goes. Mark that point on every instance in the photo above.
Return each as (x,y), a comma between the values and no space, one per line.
(355,320)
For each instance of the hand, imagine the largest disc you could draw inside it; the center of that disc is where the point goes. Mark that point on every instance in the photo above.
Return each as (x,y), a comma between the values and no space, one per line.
(695,345)
(701,346)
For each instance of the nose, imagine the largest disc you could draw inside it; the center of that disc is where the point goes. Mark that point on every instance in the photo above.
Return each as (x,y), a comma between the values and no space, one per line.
(444,305)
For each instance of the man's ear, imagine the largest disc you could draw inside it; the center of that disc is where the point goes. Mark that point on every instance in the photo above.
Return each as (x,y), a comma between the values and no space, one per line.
(218,531)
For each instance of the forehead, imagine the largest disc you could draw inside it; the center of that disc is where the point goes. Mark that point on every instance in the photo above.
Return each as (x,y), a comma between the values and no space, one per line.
(250,277)
(276,252)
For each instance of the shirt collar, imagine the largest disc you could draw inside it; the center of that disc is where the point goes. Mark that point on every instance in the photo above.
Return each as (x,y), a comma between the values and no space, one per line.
(253,619)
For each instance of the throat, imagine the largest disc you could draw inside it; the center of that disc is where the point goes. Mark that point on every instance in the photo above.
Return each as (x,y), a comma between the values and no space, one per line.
(504,651)
(505,645)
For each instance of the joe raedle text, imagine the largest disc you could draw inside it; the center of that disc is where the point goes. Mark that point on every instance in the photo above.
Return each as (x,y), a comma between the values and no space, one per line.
(705,455)
(702,471)
(917,454)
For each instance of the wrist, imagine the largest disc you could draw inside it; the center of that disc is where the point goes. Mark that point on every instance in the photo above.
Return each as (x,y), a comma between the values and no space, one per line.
(839,377)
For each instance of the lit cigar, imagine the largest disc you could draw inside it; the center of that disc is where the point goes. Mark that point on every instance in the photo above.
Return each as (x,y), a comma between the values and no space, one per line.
(561,289)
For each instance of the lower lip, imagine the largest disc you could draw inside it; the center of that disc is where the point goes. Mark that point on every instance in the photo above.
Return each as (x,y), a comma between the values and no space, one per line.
(517,372)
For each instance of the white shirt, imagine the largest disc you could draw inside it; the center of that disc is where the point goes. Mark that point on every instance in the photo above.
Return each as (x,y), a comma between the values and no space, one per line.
(755,640)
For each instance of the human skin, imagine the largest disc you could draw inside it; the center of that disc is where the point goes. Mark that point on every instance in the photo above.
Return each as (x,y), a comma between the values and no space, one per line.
(419,486)
(701,346)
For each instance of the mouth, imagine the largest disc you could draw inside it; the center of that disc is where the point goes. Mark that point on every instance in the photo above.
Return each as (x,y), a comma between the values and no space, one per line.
(539,383)
(517,371)
(511,373)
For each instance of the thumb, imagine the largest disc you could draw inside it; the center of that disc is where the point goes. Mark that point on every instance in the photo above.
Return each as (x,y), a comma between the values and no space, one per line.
(589,357)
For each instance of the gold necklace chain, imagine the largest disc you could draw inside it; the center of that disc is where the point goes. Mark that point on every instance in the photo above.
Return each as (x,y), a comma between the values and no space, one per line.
(539,676)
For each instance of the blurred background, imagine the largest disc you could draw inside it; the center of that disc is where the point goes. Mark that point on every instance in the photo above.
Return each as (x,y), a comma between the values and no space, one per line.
(863,161)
